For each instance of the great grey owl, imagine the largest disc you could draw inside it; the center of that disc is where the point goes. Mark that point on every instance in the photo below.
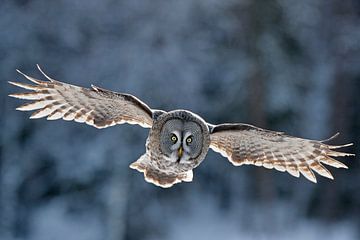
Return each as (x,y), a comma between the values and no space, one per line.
(179,140)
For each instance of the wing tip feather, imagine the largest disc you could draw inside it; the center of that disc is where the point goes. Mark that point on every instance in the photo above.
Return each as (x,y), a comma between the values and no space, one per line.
(20,72)
(331,177)
(340,146)
(39,82)
(331,138)
(34,117)
(310,178)
(26,76)
(12,83)
(22,109)
(313,180)
(43,73)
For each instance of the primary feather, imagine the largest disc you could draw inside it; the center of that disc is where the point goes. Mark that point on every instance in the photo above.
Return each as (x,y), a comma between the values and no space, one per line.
(246,144)
(96,106)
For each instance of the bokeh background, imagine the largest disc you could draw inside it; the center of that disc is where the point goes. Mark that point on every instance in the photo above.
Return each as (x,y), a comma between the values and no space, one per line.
(285,65)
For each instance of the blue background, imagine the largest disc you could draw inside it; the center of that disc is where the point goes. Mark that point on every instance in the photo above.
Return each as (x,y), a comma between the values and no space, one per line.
(290,66)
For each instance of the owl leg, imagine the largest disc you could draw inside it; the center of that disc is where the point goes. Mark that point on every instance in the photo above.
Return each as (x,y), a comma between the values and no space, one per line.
(157,177)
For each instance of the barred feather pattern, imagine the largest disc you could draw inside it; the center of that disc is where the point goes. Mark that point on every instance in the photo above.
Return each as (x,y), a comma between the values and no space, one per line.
(96,106)
(246,144)
(159,178)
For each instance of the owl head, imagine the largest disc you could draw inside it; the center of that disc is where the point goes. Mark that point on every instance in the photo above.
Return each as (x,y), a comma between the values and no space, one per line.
(183,138)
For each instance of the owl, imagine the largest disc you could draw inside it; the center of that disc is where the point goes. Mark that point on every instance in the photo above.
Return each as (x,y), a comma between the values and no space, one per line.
(178,140)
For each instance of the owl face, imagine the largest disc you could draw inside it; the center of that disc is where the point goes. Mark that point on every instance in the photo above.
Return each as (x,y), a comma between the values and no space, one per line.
(181,140)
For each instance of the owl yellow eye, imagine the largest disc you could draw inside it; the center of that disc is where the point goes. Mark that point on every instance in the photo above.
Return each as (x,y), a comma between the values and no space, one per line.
(173,138)
(189,140)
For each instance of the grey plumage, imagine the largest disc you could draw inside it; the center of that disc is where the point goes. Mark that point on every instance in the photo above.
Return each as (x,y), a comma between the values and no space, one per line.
(155,164)
(178,140)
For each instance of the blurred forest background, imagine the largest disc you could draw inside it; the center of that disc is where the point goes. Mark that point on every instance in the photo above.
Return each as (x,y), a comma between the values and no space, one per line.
(285,65)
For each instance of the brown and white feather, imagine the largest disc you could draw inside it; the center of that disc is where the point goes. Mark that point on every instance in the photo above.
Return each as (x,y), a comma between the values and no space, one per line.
(96,106)
(246,144)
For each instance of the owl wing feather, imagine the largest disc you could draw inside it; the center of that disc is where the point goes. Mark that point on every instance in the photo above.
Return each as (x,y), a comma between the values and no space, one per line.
(247,144)
(96,106)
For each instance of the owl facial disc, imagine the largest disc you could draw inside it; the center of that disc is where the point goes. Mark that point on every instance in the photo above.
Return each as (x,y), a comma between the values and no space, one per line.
(181,140)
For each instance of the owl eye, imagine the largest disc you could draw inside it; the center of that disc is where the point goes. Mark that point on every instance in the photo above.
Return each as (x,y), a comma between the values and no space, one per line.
(174,138)
(189,140)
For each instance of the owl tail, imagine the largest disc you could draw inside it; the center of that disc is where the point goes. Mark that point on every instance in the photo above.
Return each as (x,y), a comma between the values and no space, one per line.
(157,177)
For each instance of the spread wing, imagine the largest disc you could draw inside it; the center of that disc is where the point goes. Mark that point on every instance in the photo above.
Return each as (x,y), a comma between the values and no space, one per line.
(95,106)
(246,144)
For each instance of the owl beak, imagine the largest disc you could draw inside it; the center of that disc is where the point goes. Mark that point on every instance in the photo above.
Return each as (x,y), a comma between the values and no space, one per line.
(180,152)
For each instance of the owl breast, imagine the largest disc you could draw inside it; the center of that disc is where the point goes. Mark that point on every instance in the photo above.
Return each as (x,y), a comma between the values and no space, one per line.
(178,141)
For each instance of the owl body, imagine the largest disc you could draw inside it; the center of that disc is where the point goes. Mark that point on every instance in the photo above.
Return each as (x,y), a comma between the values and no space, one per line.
(177,143)
(178,140)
